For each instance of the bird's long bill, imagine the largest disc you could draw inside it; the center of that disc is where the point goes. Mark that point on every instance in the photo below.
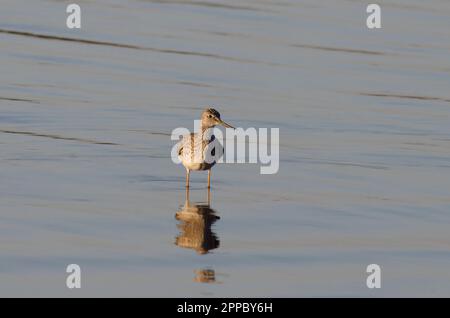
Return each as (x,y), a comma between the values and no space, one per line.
(224,124)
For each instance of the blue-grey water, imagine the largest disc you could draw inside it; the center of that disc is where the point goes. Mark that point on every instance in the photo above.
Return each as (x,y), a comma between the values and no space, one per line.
(85,169)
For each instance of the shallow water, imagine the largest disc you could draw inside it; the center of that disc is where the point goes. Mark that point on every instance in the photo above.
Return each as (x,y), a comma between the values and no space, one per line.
(85,123)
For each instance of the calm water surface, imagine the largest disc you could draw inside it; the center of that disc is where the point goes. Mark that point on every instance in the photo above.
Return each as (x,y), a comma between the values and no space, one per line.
(85,168)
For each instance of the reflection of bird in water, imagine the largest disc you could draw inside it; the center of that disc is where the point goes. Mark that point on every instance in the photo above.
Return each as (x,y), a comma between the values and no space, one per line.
(205,276)
(195,224)
(193,149)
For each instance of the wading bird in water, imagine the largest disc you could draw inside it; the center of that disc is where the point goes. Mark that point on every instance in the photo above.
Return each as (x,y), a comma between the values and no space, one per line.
(195,148)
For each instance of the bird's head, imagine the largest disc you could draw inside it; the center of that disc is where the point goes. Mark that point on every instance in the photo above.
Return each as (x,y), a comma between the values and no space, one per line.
(211,118)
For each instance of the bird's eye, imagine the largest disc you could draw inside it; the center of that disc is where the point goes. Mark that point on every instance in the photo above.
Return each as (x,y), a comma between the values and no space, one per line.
(209,116)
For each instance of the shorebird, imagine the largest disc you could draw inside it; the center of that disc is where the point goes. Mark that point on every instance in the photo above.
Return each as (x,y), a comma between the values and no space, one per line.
(195,147)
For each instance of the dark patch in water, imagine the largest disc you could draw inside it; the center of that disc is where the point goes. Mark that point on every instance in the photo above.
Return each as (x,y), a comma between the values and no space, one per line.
(60,38)
(57,137)
(13,99)
(337,49)
(127,46)
(429,98)
(207,4)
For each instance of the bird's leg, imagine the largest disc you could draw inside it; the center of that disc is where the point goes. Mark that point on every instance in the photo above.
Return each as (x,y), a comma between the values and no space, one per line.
(209,197)
(187,178)
(187,197)
(209,178)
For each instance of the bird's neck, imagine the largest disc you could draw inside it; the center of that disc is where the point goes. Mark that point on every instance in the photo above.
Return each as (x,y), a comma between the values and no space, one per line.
(204,128)
(204,132)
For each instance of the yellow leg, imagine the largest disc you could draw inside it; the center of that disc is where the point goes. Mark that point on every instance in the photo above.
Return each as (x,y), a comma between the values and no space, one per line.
(187,197)
(187,178)
(209,178)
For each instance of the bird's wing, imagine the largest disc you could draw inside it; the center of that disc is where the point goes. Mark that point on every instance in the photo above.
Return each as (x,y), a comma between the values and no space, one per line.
(185,144)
